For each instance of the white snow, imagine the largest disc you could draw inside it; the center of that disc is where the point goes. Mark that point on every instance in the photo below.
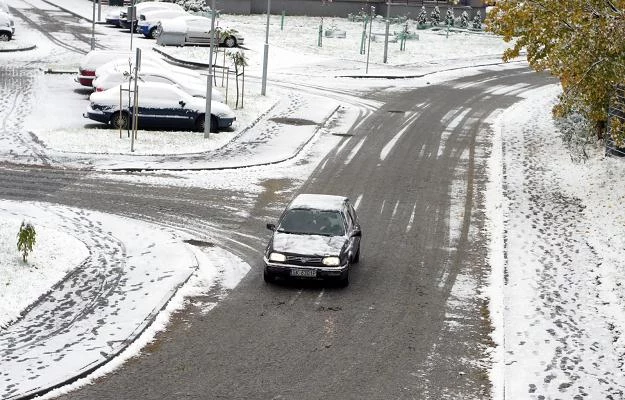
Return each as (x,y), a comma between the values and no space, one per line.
(556,227)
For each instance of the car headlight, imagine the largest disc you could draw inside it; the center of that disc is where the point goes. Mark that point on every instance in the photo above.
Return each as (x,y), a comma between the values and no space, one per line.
(277,257)
(331,261)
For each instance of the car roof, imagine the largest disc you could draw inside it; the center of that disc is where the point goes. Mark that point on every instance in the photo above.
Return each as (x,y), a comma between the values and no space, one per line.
(318,202)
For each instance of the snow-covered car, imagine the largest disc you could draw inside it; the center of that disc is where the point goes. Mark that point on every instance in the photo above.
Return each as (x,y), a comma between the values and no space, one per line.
(317,237)
(198,31)
(148,20)
(195,86)
(140,8)
(161,106)
(7,26)
(95,59)
(112,16)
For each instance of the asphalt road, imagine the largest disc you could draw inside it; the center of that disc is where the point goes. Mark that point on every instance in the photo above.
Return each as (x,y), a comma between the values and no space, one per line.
(413,323)
(416,168)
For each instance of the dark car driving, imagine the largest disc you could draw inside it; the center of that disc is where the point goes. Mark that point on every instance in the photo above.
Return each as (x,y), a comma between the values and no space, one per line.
(317,237)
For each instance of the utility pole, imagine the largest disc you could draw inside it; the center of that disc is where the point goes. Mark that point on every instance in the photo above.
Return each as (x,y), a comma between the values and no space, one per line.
(93,27)
(388,23)
(369,44)
(263,89)
(209,86)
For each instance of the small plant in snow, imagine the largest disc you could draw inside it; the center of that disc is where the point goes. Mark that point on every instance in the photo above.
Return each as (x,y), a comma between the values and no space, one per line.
(449,18)
(464,20)
(577,134)
(435,16)
(26,239)
(240,61)
(422,18)
(477,20)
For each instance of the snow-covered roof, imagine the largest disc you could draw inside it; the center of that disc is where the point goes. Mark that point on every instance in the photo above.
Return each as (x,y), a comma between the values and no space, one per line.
(318,201)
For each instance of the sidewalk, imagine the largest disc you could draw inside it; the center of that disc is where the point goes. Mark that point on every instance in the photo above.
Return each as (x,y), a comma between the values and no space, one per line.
(131,271)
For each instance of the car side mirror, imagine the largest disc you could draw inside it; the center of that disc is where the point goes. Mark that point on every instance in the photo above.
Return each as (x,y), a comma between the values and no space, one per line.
(271,227)
(357,232)
(182,103)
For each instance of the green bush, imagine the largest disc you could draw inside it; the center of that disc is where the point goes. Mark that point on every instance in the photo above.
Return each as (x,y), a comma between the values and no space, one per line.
(26,239)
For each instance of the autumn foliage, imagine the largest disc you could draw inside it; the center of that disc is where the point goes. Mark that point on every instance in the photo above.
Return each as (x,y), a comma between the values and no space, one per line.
(582,42)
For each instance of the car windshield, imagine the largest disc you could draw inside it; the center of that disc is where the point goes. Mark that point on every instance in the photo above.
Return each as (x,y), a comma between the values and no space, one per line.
(312,222)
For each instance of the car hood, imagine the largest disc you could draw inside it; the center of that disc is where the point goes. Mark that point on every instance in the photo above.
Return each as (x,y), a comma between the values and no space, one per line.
(308,244)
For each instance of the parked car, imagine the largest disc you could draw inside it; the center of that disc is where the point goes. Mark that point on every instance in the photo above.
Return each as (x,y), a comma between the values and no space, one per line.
(112,16)
(160,105)
(124,17)
(198,31)
(148,20)
(317,237)
(95,59)
(194,86)
(148,60)
(7,26)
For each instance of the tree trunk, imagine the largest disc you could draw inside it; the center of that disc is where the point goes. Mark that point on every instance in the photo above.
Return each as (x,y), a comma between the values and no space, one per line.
(600,128)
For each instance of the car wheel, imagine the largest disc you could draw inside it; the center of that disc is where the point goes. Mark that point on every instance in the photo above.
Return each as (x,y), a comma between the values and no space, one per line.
(199,124)
(230,41)
(154,33)
(5,36)
(157,31)
(267,276)
(356,256)
(119,120)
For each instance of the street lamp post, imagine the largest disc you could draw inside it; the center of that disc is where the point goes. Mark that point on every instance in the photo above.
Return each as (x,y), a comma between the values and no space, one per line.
(93,27)
(263,89)
(209,86)
(388,23)
(369,43)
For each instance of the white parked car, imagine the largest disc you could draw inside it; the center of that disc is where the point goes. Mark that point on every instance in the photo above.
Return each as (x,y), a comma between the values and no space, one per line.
(161,106)
(145,6)
(7,26)
(148,20)
(95,59)
(198,32)
(195,86)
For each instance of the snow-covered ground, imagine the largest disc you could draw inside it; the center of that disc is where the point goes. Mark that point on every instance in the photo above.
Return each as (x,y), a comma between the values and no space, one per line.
(557,243)
(556,227)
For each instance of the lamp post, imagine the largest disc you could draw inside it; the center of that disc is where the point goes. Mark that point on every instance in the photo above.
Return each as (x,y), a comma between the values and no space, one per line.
(93,27)
(209,86)
(388,23)
(369,44)
(263,89)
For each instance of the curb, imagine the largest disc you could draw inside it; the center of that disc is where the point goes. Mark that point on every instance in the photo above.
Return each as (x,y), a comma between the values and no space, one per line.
(293,155)
(32,47)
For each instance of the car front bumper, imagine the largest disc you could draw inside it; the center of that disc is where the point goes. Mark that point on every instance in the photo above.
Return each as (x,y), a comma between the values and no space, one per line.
(225,122)
(97,115)
(286,270)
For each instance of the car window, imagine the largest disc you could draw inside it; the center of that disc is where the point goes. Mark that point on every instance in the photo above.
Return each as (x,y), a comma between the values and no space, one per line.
(312,222)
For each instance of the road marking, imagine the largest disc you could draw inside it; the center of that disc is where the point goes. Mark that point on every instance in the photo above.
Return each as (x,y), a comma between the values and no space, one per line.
(414,209)
(389,146)
(295,297)
(354,151)
(395,209)
(357,203)
(318,301)
(343,145)
(382,208)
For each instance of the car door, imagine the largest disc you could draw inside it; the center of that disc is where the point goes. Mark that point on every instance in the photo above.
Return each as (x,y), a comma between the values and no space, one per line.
(160,107)
(198,30)
(352,228)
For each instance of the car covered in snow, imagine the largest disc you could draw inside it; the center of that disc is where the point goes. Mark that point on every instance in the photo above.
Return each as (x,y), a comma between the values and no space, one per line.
(195,86)
(197,31)
(94,59)
(159,105)
(7,26)
(140,8)
(149,20)
(317,237)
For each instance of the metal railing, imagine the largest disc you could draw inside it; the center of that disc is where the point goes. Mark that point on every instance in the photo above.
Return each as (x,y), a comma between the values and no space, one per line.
(616,111)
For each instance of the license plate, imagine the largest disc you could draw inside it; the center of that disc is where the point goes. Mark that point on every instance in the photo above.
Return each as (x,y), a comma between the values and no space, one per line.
(309,273)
